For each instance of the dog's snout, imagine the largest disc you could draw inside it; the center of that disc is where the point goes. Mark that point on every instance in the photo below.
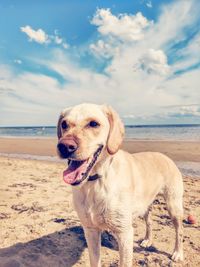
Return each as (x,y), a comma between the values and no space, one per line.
(66,147)
(71,147)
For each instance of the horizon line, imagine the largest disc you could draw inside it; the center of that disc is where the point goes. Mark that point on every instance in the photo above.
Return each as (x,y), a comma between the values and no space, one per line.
(125,125)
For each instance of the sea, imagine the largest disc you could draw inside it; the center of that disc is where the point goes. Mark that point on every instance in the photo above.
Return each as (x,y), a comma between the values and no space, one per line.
(178,132)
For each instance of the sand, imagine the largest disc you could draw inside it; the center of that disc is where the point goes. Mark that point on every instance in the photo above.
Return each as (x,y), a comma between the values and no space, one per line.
(177,150)
(39,227)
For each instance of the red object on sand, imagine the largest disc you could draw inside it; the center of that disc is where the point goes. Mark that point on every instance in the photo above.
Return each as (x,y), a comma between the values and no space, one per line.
(191,219)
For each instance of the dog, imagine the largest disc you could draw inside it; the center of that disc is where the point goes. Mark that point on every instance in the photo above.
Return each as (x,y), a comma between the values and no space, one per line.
(112,187)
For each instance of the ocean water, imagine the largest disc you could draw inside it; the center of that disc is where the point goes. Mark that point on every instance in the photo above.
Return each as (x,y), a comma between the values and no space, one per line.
(141,132)
(164,132)
(28,131)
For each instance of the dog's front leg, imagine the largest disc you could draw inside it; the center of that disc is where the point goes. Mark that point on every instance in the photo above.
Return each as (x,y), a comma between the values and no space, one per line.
(125,242)
(93,238)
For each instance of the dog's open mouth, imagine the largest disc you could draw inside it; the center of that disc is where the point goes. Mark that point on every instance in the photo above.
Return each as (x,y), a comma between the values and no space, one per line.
(78,171)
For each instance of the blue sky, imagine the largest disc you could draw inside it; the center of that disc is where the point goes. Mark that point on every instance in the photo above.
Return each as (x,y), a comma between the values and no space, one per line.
(142,57)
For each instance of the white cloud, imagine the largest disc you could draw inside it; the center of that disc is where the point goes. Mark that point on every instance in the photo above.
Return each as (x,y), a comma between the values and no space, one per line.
(29,99)
(38,36)
(65,45)
(138,93)
(189,55)
(18,61)
(190,110)
(171,26)
(183,112)
(155,61)
(174,114)
(149,4)
(58,40)
(125,27)
(138,78)
(103,49)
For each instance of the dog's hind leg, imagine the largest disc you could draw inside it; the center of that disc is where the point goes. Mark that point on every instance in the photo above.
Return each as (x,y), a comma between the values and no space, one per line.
(147,242)
(178,250)
(174,201)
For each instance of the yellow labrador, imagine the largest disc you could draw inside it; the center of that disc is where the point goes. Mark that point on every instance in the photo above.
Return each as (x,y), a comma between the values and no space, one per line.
(112,187)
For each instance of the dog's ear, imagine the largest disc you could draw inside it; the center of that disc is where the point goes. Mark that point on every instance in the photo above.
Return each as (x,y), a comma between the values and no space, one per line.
(59,133)
(62,115)
(116,132)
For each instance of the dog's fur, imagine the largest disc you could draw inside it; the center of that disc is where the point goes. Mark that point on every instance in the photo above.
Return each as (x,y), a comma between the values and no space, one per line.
(127,186)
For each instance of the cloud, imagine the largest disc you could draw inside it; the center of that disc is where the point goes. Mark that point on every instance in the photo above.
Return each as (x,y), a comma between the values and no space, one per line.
(58,40)
(65,45)
(18,61)
(138,78)
(125,27)
(149,4)
(174,114)
(169,30)
(183,111)
(138,75)
(103,49)
(29,99)
(155,61)
(190,111)
(188,55)
(39,36)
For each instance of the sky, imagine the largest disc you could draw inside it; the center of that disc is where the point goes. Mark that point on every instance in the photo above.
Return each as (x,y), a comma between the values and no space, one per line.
(140,56)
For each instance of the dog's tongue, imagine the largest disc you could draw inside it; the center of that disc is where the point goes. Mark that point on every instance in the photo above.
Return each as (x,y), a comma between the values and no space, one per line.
(74,171)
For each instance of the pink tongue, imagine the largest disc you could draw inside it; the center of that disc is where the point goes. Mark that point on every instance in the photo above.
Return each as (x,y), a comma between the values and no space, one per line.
(74,171)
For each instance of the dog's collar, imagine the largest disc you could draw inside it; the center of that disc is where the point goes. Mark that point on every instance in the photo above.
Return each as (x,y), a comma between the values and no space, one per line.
(94,177)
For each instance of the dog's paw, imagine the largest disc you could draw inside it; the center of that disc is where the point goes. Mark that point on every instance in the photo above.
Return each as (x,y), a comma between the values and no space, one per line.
(177,256)
(146,243)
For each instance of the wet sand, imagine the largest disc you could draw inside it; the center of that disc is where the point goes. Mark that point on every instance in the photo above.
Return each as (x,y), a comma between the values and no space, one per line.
(177,150)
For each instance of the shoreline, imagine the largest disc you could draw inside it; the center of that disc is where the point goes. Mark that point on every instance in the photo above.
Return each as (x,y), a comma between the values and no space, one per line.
(46,146)
(185,154)
(126,139)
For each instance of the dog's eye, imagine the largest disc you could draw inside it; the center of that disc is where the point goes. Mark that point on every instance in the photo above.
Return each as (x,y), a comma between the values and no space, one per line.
(64,125)
(93,124)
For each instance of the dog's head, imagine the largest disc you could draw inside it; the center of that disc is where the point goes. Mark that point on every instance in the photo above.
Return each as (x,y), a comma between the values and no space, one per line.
(85,132)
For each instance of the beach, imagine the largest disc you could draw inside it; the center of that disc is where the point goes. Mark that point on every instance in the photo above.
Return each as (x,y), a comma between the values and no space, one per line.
(177,150)
(38,224)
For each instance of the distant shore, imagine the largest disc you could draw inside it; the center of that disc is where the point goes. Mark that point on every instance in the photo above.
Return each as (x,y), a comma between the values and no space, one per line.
(177,150)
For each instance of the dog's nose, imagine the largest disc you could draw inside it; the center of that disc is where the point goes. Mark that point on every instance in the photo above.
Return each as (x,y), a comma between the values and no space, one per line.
(67,147)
